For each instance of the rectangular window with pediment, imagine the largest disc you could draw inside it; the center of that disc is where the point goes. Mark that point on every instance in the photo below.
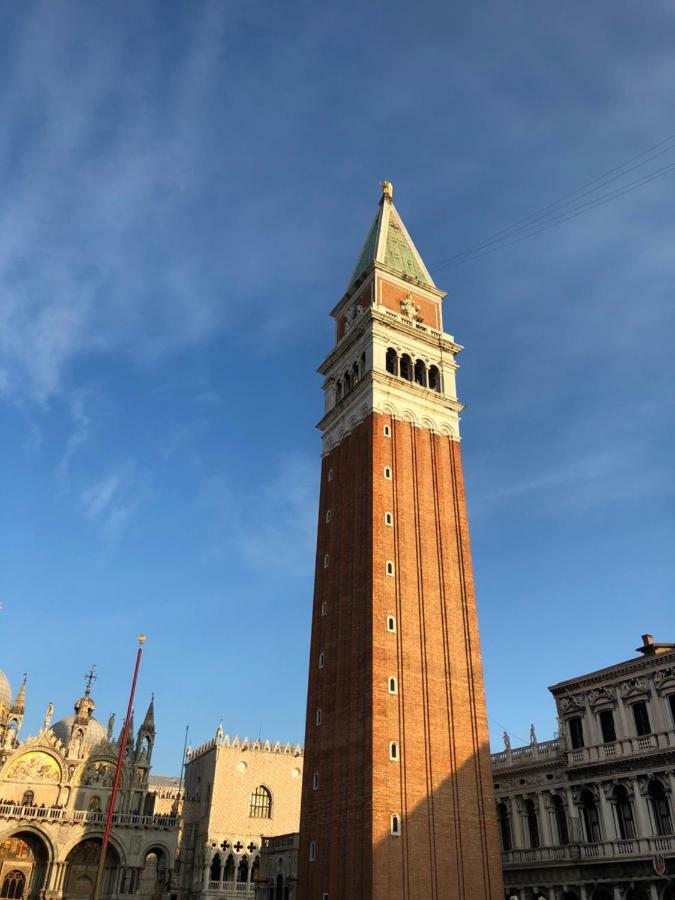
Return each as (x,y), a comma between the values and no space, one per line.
(576,732)
(607,726)
(641,717)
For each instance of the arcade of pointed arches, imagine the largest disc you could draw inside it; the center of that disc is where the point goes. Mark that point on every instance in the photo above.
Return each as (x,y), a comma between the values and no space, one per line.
(232,863)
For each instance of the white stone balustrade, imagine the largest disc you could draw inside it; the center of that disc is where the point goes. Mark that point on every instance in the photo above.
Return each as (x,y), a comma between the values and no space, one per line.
(84,817)
(632,848)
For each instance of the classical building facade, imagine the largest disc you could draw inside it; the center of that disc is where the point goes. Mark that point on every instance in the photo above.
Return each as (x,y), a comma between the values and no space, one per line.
(54,794)
(237,794)
(397,799)
(589,815)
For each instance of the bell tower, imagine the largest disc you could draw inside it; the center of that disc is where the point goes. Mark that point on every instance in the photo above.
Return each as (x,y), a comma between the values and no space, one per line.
(397,799)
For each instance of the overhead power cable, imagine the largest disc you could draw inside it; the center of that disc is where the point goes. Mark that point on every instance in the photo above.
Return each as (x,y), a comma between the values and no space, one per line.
(570,205)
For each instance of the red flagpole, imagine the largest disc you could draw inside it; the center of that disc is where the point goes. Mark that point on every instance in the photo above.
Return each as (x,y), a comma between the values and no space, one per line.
(118,774)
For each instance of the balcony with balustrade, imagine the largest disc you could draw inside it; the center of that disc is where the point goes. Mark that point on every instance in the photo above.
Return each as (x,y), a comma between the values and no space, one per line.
(633,848)
(219,890)
(56,814)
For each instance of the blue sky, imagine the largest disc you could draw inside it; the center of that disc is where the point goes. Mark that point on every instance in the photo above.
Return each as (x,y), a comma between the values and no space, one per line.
(185,191)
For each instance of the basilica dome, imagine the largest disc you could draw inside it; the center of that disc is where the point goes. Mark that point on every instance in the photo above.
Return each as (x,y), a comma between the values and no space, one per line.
(94,733)
(5,690)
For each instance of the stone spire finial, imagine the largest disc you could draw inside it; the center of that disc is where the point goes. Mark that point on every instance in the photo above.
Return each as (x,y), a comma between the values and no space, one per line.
(387,189)
(533,734)
(149,720)
(46,724)
(19,704)
(111,725)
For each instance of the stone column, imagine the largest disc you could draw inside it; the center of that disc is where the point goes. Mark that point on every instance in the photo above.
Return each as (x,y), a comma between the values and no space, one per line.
(516,825)
(642,817)
(617,893)
(583,893)
(545,825)
(624,730)
(607,830)
(653,891)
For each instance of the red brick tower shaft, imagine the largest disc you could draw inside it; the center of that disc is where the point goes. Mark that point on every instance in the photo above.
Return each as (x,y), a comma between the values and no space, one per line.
(397,797)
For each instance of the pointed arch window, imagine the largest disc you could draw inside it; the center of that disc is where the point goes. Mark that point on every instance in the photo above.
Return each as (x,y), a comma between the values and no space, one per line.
(13,885)
(393,685)
(28,798)
(395,823)
(261,803)
(393,751)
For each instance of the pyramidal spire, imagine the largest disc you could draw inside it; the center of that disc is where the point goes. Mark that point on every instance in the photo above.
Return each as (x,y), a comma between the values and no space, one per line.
(389,245)
(149,720)
(19,704)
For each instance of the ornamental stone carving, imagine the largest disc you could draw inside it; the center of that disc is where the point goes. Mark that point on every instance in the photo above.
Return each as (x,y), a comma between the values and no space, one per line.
(602,695)
(634,686)
(410,309)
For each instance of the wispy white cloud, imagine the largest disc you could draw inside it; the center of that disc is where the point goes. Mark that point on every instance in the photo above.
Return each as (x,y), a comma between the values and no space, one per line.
(272,527)
(110,503)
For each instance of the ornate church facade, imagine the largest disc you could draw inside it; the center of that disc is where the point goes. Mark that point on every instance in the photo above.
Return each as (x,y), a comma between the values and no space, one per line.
(54,793)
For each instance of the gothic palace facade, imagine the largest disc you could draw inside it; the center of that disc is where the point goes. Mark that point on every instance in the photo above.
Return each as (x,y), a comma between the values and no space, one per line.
(589,816)
(54,792)
(238,794)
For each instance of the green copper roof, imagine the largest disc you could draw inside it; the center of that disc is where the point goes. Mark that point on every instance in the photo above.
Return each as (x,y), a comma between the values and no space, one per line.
(397,251)
(369,250)
(398,254)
